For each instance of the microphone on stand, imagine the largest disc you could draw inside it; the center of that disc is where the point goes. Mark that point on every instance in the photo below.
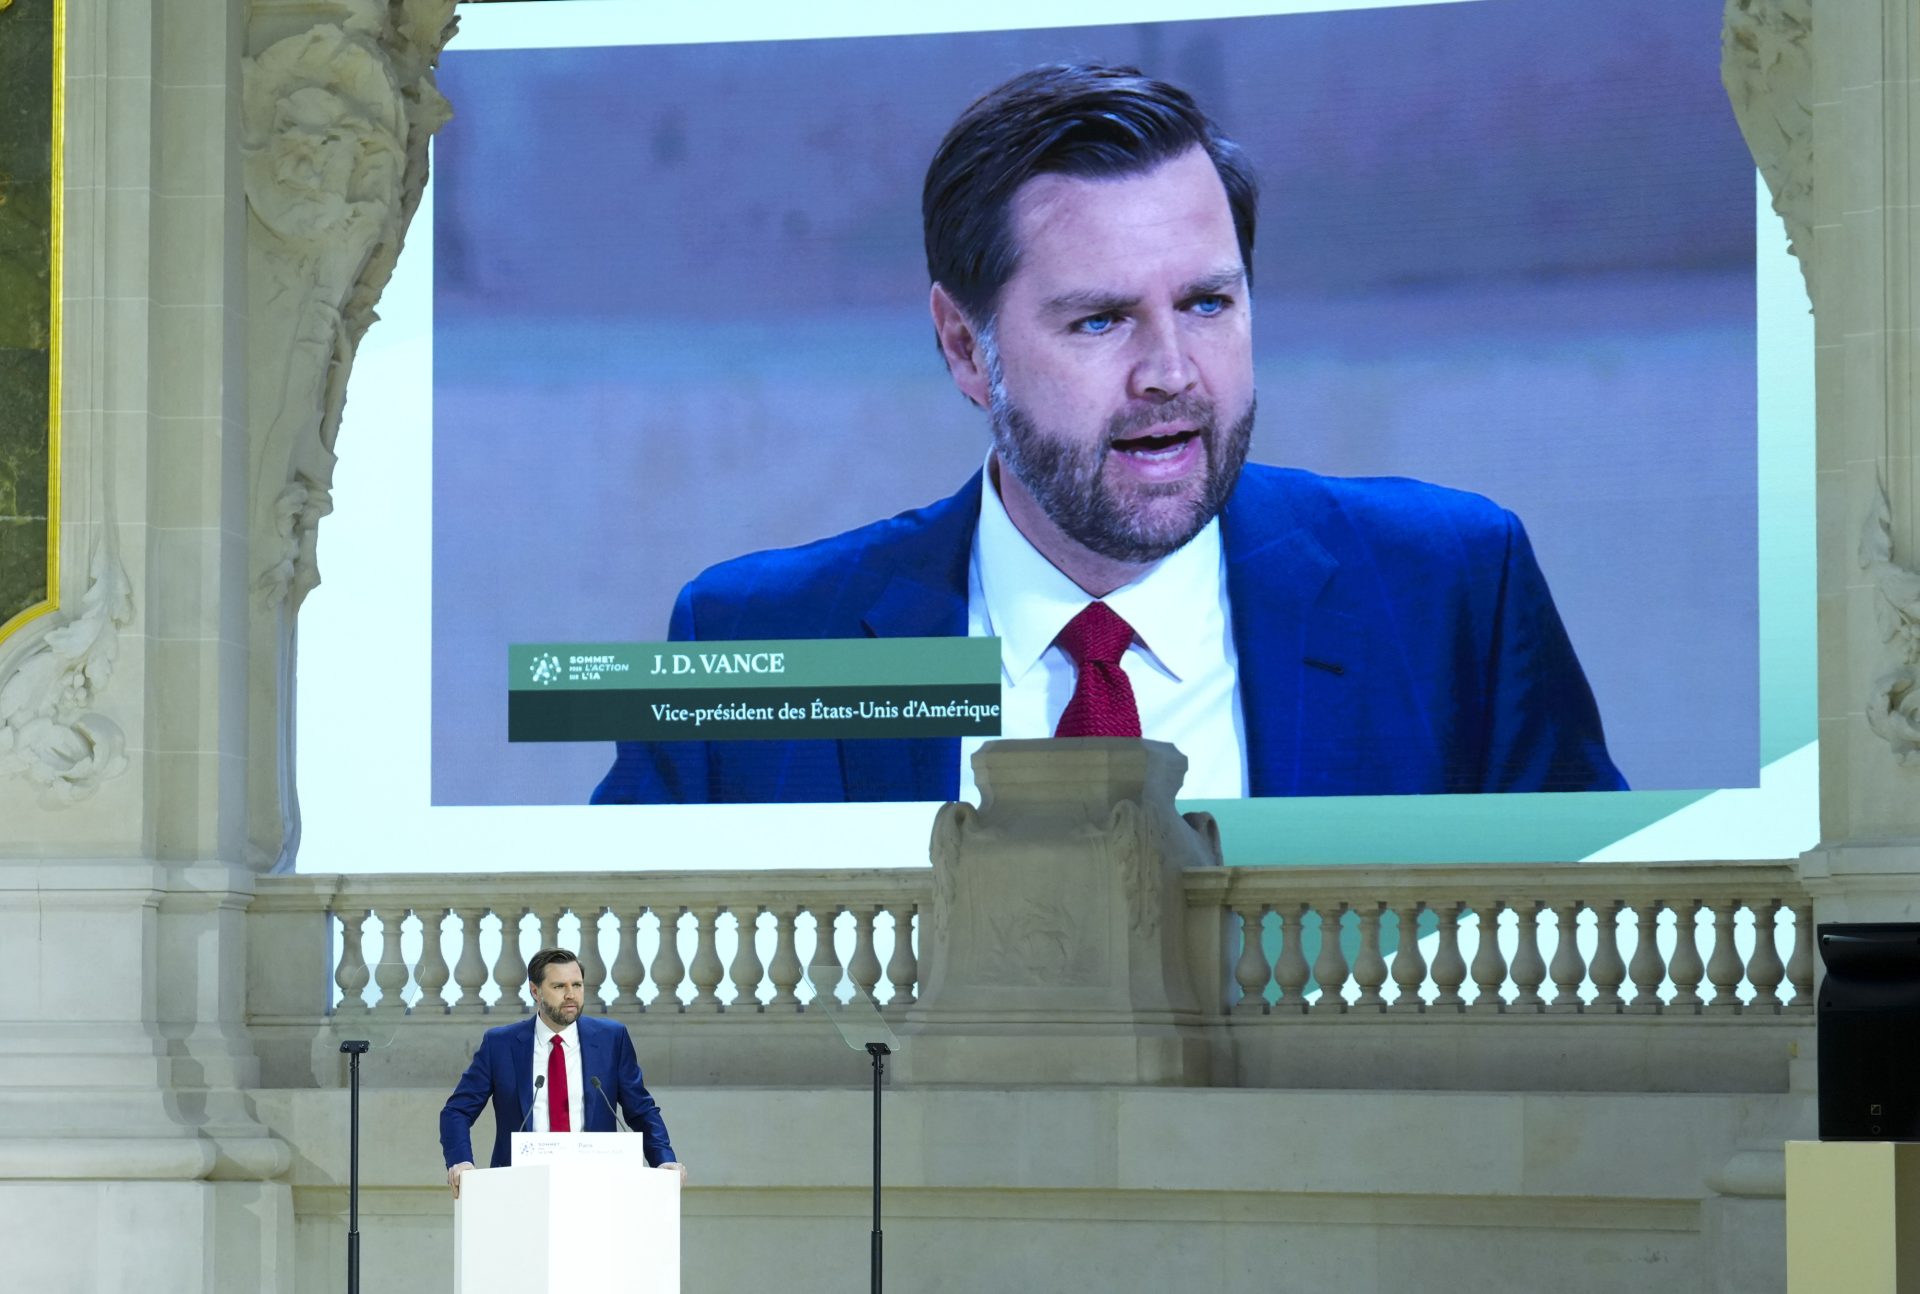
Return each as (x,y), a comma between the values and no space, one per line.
(618,1126)
(539,1081)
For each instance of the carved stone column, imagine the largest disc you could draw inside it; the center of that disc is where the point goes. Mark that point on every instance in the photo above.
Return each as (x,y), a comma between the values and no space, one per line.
(338,107)
(202,373)
(1826,99)
(1055,946)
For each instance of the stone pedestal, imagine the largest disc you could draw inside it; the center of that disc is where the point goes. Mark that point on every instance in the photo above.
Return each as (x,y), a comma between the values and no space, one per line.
(129,1156)
(1056,942)
(1853,1217)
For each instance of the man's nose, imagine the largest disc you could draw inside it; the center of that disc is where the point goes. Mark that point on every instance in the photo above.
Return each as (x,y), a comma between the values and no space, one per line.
(1163,369)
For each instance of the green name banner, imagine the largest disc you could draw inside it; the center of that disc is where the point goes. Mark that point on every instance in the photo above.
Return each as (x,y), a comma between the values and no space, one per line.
(825,688)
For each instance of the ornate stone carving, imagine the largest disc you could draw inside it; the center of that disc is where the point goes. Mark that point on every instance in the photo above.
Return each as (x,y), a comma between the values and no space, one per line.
(335,125)
(1138,840)
(1893,703)
(48,730)
(951,826)
(336,119)
(1766,64)
(1207,829)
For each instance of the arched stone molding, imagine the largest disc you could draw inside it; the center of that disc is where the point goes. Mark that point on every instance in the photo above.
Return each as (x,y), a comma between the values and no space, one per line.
(336,118)
(1766,64)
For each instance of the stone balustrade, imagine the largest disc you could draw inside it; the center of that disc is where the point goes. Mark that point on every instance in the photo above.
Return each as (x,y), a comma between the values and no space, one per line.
(1657,940)
(470,969)
(332,957)
(1655,947)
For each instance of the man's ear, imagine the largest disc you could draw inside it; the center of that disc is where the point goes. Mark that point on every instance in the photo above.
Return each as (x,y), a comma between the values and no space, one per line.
(960,343)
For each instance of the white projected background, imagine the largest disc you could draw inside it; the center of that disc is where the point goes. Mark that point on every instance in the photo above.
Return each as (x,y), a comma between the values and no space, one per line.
(365,644)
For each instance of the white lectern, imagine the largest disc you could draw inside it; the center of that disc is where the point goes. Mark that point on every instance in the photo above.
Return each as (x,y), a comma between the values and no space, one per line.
(576,1212)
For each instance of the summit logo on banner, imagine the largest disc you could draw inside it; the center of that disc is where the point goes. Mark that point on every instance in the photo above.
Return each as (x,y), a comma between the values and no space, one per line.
(829,688)
(544,669)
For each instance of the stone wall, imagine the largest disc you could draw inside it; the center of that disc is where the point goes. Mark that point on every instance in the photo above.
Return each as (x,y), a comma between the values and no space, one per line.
(1122,1190)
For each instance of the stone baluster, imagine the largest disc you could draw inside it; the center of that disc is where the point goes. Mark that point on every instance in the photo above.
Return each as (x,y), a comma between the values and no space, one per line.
(1370,967)
(1529,969)
(1449,970)
(1764,968)
(1645,968)
(1330,967)
(432,974)
(1723,967)
(903,967)
(351,975)
(1290,972)
(550,932)
(823,970)
(1607,970)
(1251,971)
(785,970)
(668,968)
(747,968)
(1489,964)
(1800,965)
(1685,968)
(707,970)
(864,968)
(1568,967)
(510,967)
(593,967)
(1409,963)
(629,972)
(390,976)
(470,969)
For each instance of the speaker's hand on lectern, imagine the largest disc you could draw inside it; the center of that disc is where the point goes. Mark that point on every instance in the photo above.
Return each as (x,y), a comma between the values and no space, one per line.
(453,1177)
(676,1167)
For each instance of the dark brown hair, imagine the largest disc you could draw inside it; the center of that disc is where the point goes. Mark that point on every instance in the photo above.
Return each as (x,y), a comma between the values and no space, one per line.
(537,968)
(1077,119)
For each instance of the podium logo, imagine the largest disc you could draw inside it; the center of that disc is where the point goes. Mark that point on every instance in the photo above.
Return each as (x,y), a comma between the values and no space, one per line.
(545,669)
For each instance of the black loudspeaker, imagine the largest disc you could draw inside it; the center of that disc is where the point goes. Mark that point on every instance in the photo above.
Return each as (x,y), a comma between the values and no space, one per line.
(1869,1032)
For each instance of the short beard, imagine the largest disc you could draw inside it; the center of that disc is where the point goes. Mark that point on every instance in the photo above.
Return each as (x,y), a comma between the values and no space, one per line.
(1066,480)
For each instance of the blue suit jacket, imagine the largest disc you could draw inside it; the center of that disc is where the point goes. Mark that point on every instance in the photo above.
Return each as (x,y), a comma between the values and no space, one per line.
(1394,638)
(502,1070)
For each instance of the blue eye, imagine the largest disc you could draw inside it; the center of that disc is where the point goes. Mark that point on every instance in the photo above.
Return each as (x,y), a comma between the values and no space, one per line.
(1095,325)
(1210,305)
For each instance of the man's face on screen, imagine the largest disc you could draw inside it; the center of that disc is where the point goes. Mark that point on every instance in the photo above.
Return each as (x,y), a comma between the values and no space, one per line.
(560,994)
(1120,361)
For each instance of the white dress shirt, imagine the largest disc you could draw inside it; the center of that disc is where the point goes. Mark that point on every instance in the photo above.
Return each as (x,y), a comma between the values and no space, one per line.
(569,1037)
(1182,664)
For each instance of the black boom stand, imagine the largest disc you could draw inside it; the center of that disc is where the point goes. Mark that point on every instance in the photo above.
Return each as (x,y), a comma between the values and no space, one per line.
(354,1049)
(879,1051)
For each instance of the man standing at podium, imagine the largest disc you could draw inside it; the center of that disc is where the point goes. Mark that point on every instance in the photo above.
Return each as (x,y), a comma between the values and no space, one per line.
(560,1071)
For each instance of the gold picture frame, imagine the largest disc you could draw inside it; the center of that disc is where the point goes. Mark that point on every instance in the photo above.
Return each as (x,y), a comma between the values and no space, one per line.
(55,252)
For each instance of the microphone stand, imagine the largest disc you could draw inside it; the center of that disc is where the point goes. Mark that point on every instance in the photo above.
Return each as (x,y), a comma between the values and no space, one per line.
(354,1048)
(879,1051)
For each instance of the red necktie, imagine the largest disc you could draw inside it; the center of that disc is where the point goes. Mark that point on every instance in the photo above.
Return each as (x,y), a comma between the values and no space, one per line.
(559,1118)
(1102,702)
